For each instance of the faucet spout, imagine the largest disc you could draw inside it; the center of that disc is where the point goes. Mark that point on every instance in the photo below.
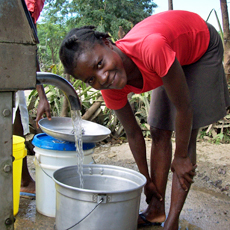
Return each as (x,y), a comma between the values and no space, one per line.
(62,84)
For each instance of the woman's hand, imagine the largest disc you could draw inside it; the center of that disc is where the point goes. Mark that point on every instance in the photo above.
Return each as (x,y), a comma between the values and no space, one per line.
(184,170)
(150,190)
(43,107)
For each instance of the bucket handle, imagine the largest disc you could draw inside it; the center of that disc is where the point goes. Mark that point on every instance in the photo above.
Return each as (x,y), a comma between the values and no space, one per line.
(37,161)
(101,201)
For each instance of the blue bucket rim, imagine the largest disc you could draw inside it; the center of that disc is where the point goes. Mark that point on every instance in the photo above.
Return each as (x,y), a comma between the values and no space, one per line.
(44,141)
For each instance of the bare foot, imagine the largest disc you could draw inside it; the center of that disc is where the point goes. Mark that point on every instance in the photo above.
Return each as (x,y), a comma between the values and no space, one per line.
(142,220)
(28,186)
(155,212)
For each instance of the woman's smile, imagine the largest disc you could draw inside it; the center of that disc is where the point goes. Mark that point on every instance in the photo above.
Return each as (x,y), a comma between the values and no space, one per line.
(101,67)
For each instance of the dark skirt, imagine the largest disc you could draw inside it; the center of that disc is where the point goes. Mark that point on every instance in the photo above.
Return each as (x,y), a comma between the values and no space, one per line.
(208,90)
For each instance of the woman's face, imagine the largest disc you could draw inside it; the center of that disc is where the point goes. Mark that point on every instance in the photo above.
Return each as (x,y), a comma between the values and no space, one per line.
(101,67)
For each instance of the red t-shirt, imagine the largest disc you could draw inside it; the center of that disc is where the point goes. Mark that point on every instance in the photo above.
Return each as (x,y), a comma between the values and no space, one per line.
(35,7)
(153,45)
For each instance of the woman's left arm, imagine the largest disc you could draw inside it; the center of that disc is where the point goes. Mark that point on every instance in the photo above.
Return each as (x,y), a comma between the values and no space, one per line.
(177,90)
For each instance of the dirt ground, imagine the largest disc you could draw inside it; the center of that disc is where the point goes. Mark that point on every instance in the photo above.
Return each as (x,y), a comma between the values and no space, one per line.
(207,205)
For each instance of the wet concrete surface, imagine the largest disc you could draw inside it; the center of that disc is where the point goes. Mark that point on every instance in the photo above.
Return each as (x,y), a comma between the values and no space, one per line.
(28,218)
(204,208)
(211,214)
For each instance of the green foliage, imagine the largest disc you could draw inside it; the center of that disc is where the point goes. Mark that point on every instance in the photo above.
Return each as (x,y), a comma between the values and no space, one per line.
(59,16)
(87,94)
(218,21)
(141,104)
(202,134)
(50,37)
(218,138)
(142,100)
(217,133)
(107,15)
(54,96)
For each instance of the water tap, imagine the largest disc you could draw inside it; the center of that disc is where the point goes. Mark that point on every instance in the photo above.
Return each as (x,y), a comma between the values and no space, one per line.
(62,84)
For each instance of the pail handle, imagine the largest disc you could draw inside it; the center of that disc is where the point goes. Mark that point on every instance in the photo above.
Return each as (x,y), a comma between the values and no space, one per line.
(37,161)
(101,201)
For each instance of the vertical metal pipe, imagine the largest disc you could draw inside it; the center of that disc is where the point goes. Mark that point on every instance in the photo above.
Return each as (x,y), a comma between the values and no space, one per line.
(6,178)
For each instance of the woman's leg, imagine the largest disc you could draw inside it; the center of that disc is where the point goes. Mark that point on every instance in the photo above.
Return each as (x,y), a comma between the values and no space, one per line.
(161,155)
(178,195)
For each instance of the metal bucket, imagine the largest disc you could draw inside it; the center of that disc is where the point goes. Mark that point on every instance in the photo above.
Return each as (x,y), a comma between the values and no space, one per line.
(110,198)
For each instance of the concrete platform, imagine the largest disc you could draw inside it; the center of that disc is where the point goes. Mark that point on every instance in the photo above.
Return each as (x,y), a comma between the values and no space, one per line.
(203,209)
(28,218)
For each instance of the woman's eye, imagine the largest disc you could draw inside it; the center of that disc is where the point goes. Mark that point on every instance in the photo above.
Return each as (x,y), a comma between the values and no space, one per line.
(90,81)
(99,64)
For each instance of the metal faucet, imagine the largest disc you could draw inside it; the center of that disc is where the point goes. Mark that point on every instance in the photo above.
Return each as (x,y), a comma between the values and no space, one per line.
(62,84)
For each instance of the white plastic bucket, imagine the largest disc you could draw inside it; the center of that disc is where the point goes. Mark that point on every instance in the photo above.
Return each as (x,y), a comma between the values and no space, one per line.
(50,155)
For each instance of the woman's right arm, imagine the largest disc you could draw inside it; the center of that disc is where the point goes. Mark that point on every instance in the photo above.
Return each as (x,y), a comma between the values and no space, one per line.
(43,106)
(137,146)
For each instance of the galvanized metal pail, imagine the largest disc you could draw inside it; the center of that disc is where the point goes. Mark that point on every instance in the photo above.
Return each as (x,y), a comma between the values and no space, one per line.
(109,200)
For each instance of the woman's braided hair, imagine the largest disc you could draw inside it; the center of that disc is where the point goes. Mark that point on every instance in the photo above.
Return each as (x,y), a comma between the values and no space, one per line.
(77,41)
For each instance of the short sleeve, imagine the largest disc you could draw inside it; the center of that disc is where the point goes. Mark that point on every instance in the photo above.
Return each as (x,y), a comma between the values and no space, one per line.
(157,55)
(114,98)
(35,8)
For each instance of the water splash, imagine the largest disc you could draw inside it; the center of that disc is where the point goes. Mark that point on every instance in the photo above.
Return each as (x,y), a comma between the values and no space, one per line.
(77,128)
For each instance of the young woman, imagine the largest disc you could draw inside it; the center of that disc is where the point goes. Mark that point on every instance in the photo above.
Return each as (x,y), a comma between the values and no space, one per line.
(178,56)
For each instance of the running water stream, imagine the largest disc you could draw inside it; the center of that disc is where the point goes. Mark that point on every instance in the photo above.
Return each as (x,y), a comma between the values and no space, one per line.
(77,128)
